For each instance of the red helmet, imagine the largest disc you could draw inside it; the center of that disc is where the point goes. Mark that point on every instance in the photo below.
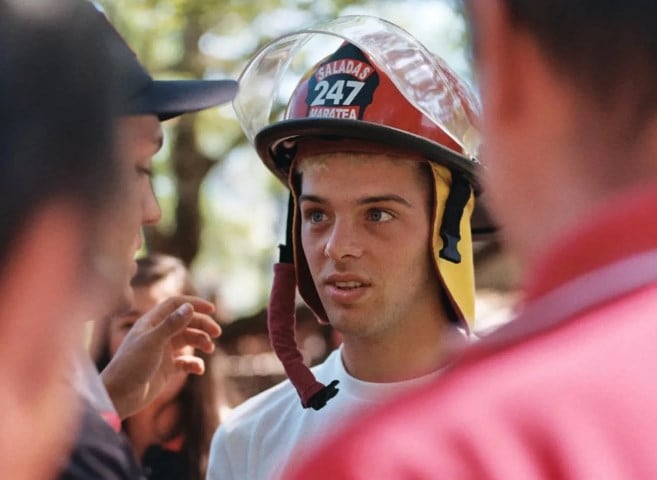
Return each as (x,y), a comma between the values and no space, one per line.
(348,96)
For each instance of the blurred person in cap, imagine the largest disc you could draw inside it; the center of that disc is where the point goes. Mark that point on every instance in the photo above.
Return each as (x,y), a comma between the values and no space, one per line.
(59,183)
(150,354)
(379,239)
(566,390)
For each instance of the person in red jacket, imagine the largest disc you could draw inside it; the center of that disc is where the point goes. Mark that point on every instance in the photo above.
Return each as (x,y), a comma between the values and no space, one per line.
(566,390)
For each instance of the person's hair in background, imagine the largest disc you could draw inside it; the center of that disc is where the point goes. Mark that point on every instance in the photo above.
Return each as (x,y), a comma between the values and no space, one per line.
(598,45)
(606,53)
(58,178)
(159,276)
(605,49)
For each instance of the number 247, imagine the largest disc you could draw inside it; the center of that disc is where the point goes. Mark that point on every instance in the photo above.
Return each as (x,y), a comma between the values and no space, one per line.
(336,92)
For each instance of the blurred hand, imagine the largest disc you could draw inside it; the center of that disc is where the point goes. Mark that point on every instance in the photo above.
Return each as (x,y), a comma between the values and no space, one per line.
(154,350)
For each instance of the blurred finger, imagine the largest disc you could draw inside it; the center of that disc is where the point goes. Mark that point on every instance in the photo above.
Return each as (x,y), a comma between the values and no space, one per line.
(190,364)
(175,322)
(191,337)
(161,311)
(200,305)
(206,323)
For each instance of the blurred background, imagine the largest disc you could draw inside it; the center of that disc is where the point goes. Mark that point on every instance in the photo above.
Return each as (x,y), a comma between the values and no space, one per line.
(223,212)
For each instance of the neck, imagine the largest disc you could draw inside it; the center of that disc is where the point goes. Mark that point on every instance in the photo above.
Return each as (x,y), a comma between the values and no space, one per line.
(594,168)
(588,247)
(401,355)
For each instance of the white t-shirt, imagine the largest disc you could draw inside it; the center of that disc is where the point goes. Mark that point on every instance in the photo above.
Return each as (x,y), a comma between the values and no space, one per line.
(260,436)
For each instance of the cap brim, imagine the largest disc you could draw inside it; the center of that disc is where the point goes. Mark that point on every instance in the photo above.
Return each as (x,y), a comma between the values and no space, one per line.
(170,98)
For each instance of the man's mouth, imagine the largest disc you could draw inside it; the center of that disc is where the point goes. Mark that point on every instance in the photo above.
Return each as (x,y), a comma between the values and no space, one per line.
(350,285)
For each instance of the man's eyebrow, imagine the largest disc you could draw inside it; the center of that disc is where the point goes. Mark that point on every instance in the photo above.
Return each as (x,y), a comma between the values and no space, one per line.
(311,198)
(362,201)
(391,197)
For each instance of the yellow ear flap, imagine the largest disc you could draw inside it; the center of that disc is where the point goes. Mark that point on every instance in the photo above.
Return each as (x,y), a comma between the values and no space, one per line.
(456,278)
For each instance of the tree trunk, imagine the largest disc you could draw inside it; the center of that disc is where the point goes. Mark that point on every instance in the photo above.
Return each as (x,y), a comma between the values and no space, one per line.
(189,166)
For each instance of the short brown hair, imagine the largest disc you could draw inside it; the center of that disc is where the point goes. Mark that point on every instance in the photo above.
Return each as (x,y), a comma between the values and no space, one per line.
(606,48)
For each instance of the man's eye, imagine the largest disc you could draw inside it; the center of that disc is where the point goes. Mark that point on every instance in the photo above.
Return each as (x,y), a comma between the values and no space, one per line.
(315,216)
(376,215)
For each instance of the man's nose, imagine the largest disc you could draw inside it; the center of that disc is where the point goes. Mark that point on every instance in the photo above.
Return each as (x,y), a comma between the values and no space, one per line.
(151,211)
(343,241)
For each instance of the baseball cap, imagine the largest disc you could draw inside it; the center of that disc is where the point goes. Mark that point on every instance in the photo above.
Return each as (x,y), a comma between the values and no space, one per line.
(141,94)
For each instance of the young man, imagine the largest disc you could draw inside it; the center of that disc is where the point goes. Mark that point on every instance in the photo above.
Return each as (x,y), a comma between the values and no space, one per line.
(56,191)
(146,359)
(567,390)
(383,197)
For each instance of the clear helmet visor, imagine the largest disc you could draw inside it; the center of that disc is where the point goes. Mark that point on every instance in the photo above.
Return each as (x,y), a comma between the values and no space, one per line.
(425,80)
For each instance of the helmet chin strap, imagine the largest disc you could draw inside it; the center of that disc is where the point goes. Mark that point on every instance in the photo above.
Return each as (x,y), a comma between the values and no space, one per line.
(281,321)
(450,230)
(286,250)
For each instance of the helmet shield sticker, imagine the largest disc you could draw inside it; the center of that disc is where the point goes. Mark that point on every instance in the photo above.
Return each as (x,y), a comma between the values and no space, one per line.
(424,80)
(342,86)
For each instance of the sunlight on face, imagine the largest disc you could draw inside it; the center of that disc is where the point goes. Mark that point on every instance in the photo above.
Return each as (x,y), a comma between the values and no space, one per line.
(138,139)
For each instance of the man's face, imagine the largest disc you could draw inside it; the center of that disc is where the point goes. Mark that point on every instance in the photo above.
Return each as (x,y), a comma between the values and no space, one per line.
(139,138)
(365,232)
